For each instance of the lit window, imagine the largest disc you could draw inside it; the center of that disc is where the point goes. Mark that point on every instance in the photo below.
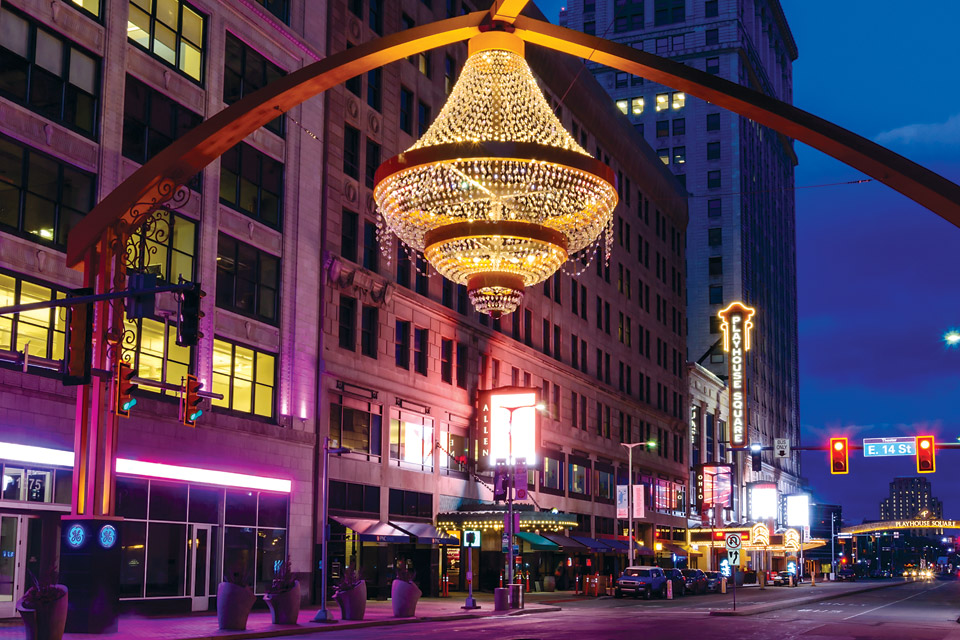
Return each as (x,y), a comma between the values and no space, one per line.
(411,440)
(679,155)
(664,155)
(679,99)
(42,328)
(663,101)
(156,353)
(636,106)
(90,6)
(169,251)
(246,378)
(623,105)
(171,31)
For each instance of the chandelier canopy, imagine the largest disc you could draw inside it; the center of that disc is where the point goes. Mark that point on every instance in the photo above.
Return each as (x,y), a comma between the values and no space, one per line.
(496,194)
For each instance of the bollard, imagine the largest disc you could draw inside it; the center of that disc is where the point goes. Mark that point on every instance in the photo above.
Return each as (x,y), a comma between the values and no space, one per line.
(576,586)
(610,588)
(790,578)
(501,579)
(670,589)
(813,578)
(763,579)
(528,582)
(723,585)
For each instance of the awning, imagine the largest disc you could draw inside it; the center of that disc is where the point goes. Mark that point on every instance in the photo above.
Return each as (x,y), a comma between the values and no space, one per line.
(595,545)
(622,546)
(373,530)
(537,542)
(669,547)
(567,544)
(425,533)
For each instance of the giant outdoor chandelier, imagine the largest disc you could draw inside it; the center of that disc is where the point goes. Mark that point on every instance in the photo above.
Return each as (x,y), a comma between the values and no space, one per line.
(496,194)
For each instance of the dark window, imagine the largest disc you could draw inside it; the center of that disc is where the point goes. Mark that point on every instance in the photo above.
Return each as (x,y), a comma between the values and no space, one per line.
(48,74)
(451,8)
(252,182)
(172,31)
(714,236)
(371,248)
(713,65)
(446,361)
(713,208)
(714,324)
(348,323)
(372,162)
(449,70)
(376,16)
(663,128)
(716,266)
(713,122)
(668,12)
(349,225)
(406,110)
(546,337)
(590,28)
(356,426)
(151,121)
(369,330)
(679,155)
(716,294)
(713,179)
(245,70)
(463,354)
(679,126)
(713,36)
(410,504)
(356,8)
(402,352)
(40,197)
(713,151)
(279,8)
(711,8)
(421,350)
(423,278)
(351,152)
(248,280)
(403,266)
(423,118)
(374,83)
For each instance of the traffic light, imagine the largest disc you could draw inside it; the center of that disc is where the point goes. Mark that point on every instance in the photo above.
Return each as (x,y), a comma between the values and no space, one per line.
(190,401)
(839,456)
(141,305)
(125,387)
(77,359)
(188,316)
(926,454)
(755,459)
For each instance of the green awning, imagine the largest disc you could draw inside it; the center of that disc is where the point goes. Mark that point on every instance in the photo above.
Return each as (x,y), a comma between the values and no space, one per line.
(537,542)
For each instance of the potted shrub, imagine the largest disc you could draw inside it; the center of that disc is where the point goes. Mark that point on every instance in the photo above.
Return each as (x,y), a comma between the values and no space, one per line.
(234,601)
(44,608)
(283,596)
(351,595)
(404,594)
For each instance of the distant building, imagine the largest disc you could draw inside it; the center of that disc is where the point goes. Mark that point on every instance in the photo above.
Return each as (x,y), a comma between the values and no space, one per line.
(911,498)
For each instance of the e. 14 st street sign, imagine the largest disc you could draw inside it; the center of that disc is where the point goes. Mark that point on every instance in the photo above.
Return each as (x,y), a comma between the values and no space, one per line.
(900,446)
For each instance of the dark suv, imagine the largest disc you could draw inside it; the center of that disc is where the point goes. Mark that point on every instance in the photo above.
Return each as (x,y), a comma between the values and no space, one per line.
(645,581)
(696,580)
(679,582)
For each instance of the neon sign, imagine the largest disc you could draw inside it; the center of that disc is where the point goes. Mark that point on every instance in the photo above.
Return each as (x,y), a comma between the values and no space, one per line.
(501,438)
(760,535)
(736,325)
(791,540)
(76,535)
(108,536)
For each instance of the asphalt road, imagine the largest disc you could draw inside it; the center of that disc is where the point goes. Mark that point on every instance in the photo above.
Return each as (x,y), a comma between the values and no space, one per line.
(912,611)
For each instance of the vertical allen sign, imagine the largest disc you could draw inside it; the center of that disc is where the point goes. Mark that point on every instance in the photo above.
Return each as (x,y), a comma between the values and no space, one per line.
(736,323)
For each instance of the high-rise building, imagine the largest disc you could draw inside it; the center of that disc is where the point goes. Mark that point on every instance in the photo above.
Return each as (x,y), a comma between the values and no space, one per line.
(911,498)
(739,176)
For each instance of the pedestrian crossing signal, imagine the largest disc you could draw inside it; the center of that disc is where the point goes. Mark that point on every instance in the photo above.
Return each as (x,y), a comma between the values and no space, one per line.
(926,454)
(839,456)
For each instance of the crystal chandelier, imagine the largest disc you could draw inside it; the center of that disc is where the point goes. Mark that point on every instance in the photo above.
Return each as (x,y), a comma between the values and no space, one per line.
(496,194)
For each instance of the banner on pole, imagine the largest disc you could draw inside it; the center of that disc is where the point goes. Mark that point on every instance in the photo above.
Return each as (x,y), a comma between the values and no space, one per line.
(623,497)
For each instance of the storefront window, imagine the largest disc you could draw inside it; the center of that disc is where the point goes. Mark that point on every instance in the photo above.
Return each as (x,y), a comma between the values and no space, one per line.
(239,547)
(241,508)
(356,425)
(411,504)
(12,483)
(411,440)
(35,485)
(166,559)
(133,554)
(271,554)
(168,501)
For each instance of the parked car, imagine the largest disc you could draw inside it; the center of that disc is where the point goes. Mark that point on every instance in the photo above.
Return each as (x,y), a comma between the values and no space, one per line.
(782,579)
(679,582)
(645,581)
(713,581)
(847,573)
(696,580)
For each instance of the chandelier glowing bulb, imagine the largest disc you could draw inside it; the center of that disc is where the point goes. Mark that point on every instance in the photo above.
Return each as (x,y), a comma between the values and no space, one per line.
(496,194)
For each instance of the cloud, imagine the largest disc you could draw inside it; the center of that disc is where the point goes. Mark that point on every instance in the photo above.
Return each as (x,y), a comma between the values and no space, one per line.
(939,133)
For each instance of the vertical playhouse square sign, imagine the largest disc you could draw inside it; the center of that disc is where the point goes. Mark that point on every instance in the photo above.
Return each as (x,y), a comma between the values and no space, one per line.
(507,426)
(736,323)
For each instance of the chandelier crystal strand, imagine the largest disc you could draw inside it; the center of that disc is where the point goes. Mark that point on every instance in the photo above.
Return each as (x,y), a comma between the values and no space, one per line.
(496,194)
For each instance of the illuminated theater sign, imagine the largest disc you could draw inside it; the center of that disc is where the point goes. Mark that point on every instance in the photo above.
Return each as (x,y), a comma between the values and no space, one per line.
(500,438)
(714,484)
(736,324)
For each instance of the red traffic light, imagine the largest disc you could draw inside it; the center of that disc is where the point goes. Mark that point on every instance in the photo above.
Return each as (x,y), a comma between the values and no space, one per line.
(843,561)
(926,454)
(839,456)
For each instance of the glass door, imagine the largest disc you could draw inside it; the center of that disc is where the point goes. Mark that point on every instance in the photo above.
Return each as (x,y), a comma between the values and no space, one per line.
(11,567)
(198,550)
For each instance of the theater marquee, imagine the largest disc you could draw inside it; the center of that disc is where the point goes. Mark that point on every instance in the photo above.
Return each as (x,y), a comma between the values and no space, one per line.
(500,438)
(736,323)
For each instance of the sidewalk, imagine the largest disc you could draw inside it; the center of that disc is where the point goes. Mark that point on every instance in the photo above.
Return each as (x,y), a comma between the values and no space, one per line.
(202,626)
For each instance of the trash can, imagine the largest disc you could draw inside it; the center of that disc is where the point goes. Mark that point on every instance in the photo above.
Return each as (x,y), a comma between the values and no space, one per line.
(501,599)
(516,596)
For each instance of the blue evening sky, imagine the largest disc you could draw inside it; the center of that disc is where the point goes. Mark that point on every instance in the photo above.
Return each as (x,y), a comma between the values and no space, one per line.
(877,274)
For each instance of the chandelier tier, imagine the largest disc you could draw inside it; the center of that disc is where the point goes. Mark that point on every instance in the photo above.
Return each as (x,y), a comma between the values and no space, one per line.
(496,194)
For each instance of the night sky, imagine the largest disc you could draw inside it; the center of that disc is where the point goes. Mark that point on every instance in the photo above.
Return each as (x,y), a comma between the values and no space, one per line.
(877,274)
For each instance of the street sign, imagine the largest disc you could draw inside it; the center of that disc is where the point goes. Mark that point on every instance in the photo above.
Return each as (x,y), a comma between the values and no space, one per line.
(734,557)
(899,446)
(781,447)
(471,538)
(733,542)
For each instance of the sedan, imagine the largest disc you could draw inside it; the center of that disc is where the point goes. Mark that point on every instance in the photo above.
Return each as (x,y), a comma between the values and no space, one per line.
(713,581)
(696,580)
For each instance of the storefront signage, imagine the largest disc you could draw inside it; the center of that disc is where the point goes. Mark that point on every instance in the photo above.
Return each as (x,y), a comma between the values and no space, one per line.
(694,420)
(791,540)
(108,536)
(798,510)
(471,538)
(763,500)
(714,486)
(760,535)
(508,427)
(736,325)
(76,536)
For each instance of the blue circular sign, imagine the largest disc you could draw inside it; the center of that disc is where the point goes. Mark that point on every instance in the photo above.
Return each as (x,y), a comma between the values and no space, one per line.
(76,535)
(108,536)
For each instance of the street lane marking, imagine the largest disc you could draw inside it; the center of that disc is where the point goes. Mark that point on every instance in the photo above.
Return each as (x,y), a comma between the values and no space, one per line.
(895,602)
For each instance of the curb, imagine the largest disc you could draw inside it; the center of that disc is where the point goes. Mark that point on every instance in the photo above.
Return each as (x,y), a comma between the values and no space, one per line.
(363,624)
(783,604)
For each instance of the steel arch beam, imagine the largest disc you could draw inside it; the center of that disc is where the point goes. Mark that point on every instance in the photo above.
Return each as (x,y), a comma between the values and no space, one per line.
(918,183)
(150,185)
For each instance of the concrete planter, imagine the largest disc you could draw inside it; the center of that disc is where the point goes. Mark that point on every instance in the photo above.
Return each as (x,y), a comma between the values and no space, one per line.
(404,597)
(48,620)
(233,606)
(284,607)
(353,602)
(549,583)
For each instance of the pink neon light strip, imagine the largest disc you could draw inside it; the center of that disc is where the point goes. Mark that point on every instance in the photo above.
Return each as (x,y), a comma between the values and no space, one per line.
(207,476)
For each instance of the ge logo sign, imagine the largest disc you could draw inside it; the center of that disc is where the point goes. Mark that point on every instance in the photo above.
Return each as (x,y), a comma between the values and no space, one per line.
(76,535)
(108,536)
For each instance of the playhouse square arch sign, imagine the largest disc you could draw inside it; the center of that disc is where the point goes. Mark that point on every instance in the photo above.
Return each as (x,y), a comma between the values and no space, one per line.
(885,525)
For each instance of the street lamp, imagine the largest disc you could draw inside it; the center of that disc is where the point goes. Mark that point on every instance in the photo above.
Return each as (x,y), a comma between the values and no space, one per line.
(323,615)
(511,471)
(630,447)
(952,338)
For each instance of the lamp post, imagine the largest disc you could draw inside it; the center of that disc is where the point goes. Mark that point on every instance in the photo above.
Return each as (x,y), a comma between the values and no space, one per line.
(630,545)
(511,477)
(323,615)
